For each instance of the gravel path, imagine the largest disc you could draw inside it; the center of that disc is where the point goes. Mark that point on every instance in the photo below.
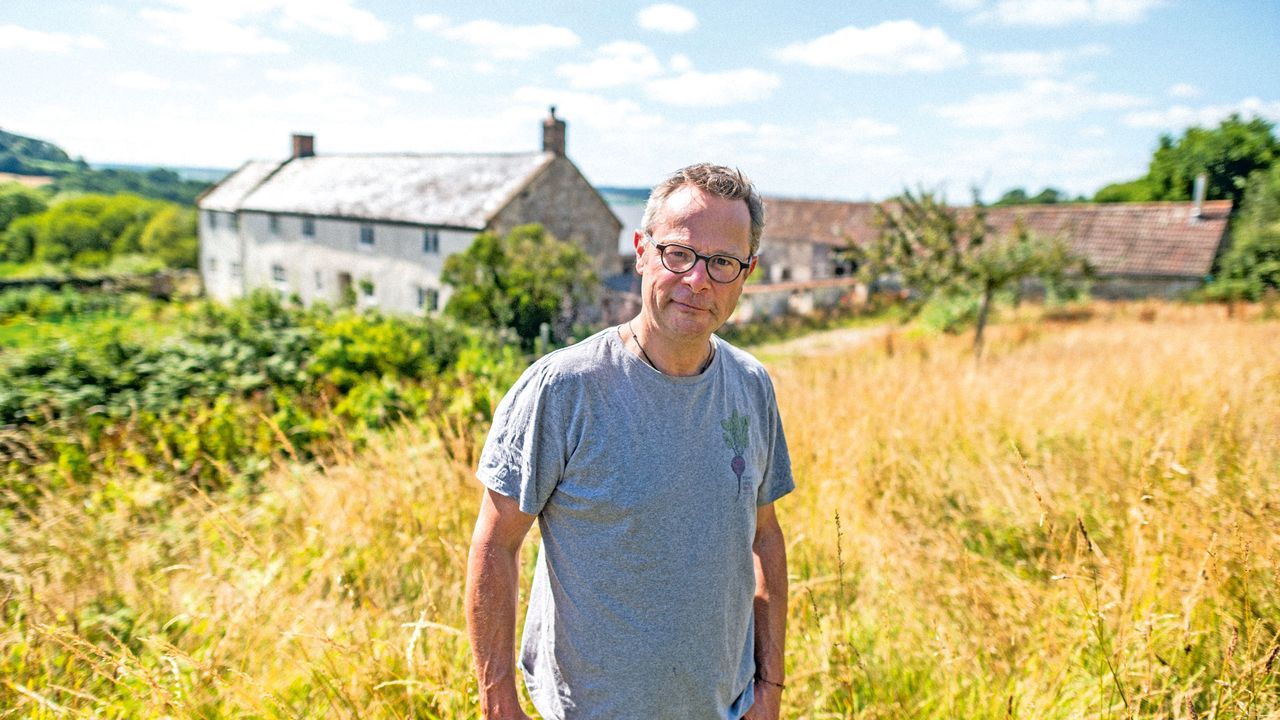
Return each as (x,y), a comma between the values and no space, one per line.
(826,342)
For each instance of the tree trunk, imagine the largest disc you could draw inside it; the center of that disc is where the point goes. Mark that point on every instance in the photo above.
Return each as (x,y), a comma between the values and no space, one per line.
(987,292)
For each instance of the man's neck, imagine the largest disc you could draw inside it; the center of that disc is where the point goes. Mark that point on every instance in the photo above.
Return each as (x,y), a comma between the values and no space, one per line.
(683,357)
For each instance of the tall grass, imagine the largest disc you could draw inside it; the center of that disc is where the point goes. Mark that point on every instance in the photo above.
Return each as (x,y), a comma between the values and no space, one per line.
(1084,525)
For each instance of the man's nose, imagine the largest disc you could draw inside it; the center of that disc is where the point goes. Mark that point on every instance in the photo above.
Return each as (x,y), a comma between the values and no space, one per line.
(698,276)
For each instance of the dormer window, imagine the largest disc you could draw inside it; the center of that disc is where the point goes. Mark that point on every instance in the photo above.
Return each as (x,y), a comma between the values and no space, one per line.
(366,235)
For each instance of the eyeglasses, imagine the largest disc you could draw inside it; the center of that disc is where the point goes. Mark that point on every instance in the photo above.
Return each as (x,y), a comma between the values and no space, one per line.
(680,259)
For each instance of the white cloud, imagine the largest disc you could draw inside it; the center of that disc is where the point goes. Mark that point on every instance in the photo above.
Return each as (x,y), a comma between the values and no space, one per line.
(618,63)
(592,110)
(1179,117)
(499,40)
(1034,63)
(680,62)
(430,22)
(700,89)
(14,37)
(891,47)
(208,31)
(138,80)
(337,18)
(1057,13)
(411,83)
(233,27)
(1041,99)
(1184,90)
(667,18)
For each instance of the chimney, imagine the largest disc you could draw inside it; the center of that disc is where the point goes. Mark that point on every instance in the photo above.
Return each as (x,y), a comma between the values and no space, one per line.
(553,134)
(1197,195)
(303,146)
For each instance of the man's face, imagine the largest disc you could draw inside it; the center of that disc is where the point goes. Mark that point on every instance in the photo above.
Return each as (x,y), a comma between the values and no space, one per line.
(690,305)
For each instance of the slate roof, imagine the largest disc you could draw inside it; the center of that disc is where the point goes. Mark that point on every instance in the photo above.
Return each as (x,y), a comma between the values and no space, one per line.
(227,195)
(1153,239)
(448,190)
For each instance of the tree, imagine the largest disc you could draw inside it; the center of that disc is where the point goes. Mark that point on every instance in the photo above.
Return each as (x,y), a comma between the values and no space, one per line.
(1251,266)
(520,281)
(170,235)
(1047,196)
(1227,155)
(17,200)
(936,251)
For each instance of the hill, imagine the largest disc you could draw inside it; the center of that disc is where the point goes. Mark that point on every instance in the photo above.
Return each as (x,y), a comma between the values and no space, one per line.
(22,155)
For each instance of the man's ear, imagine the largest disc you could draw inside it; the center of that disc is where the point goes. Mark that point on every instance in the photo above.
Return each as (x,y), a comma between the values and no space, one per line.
(752,267)
(638,242)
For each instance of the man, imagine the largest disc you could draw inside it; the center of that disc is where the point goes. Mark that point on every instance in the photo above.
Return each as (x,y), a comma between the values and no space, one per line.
(650,454)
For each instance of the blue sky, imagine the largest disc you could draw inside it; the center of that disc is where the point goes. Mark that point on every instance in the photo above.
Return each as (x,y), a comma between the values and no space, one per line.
(838,99)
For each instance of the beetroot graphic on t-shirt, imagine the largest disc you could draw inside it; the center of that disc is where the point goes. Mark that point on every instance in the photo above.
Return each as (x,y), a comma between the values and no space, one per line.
(735,437)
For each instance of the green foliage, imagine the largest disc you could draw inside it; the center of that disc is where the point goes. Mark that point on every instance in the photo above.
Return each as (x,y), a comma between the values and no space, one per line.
(27,156)
(169,235)
(17,200)
(1047,196)
(89,231)
(158,183)
(225,388)
(520,281)
(938,252)
(1251,265)
(1227,155)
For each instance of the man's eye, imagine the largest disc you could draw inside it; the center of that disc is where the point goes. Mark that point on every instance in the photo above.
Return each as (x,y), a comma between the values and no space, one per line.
(677,255)
(724,262)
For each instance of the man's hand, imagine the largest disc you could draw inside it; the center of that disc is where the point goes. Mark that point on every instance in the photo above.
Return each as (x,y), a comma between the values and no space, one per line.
(493,578)
(768,704)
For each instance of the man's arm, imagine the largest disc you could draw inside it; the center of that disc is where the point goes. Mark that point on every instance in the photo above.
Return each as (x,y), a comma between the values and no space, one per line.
(493,583)
(770,603)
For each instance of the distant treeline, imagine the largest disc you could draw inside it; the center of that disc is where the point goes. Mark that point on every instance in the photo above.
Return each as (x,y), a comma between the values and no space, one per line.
(22,155)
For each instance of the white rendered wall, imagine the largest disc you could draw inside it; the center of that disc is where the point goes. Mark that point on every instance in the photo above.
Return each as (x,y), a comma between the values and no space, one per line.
(396,263)
(219,251)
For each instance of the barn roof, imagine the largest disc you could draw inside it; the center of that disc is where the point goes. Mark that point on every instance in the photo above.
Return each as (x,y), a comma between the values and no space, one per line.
(1162,239)
(1158,239)
(451,190)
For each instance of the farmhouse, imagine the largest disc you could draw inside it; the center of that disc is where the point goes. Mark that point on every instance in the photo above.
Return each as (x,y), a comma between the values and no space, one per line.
(375,229)
(1135,249)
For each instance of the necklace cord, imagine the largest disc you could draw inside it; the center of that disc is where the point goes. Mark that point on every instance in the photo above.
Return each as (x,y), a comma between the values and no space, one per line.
(711,351)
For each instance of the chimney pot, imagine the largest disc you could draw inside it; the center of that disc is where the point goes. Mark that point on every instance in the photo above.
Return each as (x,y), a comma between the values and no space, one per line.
(303,146)
(1197,195)
(553,133)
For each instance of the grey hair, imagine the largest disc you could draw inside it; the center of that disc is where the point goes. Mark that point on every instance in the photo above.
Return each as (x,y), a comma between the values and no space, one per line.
(717,180)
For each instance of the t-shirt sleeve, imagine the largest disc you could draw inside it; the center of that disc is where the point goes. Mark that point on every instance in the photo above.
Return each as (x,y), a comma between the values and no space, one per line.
(777,480)
(524,455)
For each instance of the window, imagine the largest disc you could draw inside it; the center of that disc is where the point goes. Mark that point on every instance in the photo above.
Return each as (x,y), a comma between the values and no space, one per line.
(366,235)
(428,299)
(319,280)
(277,273)
(233,220)
(368,297)
(212,217)
(308,227)
(213,264)
(431,242)
(236,270)
(273,224)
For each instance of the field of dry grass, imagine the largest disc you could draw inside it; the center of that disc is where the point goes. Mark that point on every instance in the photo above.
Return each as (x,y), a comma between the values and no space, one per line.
(1086,524)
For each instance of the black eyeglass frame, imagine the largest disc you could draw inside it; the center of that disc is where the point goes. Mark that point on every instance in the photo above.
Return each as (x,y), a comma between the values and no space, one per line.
(662,255)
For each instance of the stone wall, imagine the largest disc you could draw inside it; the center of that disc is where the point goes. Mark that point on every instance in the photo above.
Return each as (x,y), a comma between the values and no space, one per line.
(562,200)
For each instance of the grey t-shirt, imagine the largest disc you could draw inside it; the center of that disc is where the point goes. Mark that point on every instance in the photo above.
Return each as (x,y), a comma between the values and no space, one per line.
(646,488)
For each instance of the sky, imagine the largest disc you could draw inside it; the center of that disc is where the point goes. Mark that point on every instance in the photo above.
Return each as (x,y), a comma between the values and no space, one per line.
(842,100)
